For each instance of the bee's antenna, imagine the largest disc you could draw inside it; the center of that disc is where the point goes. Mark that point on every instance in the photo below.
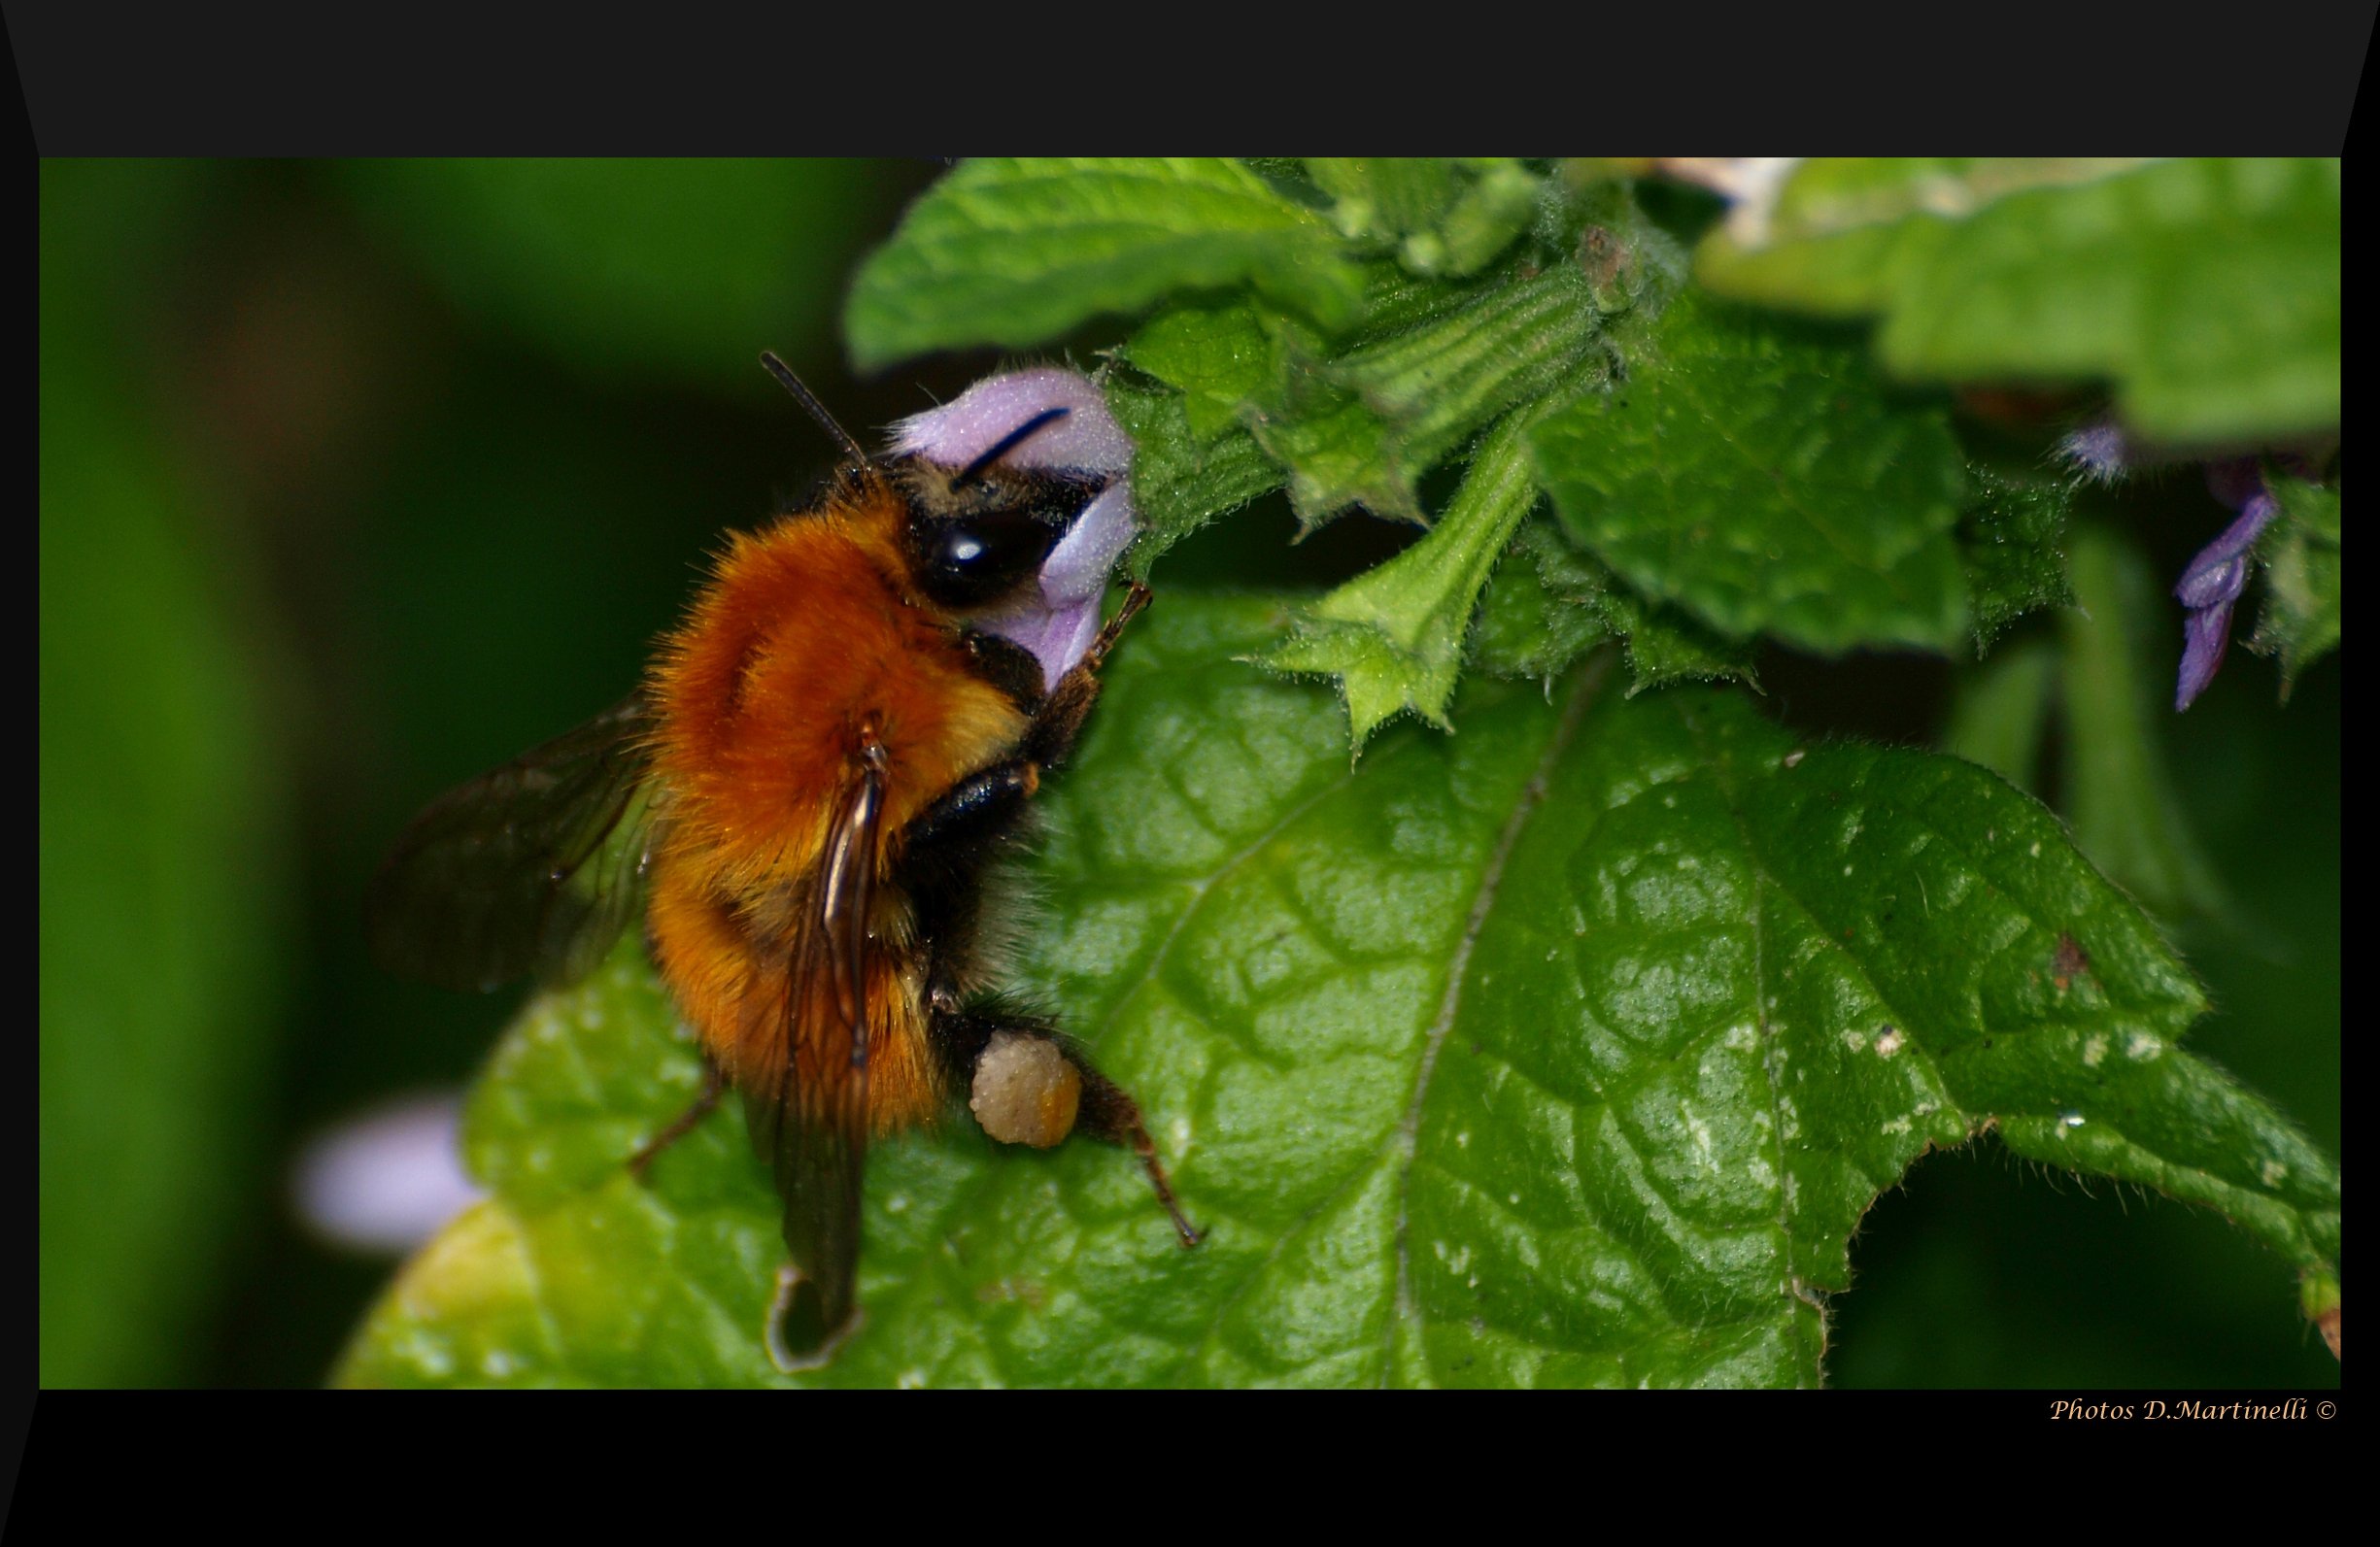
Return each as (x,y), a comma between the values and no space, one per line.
(1006,444)
(817,409)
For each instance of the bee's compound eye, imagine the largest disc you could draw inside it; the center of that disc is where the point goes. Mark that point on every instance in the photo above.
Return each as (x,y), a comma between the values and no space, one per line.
(976,560)
(1026,1091)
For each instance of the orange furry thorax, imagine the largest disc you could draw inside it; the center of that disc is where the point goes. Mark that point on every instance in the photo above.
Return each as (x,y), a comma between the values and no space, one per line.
(806,636)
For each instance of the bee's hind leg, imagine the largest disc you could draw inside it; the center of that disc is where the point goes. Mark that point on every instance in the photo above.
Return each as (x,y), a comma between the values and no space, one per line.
(714,1084)
(1110,1113)
(1029,1084)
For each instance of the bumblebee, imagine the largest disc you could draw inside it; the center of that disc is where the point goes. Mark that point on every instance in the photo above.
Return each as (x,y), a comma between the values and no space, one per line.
(802,801)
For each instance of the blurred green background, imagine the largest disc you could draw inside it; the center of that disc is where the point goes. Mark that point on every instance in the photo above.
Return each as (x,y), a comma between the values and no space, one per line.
(358,478)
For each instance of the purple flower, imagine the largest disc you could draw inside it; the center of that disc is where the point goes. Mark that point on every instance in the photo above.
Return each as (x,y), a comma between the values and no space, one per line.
(2211,584)
(2099,453)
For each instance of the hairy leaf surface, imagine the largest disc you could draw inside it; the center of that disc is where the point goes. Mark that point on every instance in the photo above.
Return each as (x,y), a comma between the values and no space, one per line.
(1764,482)
(1567,1049)
(1017,252)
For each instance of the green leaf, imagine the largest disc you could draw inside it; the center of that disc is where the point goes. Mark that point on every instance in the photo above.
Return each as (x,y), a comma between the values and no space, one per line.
(1764,482)
(1566,1050)
(1012,252)
(1664,645)
(1179,482)
(2299,553)
(2206,291)
(1543,612)
(1221,355)
(1552,604)
(1394,635)
(1441,216)
(1341,457)
(2119,793)
(2011,538)
(1777,974)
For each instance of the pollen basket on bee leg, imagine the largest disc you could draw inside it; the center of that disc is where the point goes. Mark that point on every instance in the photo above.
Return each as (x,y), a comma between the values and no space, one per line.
(1024,1092)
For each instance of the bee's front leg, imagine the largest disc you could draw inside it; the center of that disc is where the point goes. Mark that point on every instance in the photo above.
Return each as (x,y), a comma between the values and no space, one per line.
(987,801)
(1136,600)
(1058,724)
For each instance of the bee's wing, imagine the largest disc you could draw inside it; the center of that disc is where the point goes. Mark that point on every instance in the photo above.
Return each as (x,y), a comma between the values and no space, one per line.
(813,1124)
(534,867)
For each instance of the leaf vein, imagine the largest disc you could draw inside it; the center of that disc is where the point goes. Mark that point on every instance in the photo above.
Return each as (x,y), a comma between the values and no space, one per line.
(1532,796)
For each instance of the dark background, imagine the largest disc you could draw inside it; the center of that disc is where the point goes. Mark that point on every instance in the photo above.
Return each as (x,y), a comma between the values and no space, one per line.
(359,477)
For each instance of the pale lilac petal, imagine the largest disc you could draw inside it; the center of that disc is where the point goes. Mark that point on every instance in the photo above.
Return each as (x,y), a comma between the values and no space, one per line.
(1079,565)
(386,1180)
(2099,453)
(972,423)
(1059,627)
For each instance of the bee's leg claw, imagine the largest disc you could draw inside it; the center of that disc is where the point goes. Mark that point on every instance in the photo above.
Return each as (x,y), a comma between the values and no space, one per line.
(1190,1234)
